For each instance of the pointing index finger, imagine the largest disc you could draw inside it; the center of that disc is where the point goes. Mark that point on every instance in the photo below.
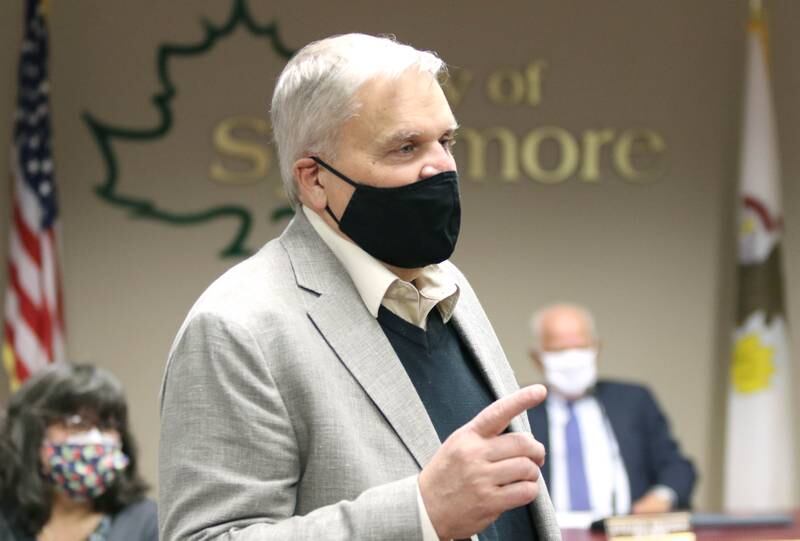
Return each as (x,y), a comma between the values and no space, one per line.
(495,417)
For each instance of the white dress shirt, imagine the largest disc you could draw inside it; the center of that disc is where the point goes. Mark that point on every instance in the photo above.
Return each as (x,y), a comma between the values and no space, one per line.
(378,286)
(609,491)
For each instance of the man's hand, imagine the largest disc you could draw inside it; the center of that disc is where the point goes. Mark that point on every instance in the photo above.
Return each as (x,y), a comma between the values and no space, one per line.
(480,472)
(652,502)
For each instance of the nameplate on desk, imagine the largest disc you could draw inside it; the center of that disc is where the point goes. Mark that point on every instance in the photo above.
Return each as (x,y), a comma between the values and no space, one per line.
(651,527)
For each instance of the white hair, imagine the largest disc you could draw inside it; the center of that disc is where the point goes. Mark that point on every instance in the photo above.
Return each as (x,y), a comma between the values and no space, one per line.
(537,321)
(315,92)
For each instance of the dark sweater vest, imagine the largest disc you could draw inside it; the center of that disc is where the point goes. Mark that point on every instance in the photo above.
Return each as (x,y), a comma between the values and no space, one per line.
(453,391)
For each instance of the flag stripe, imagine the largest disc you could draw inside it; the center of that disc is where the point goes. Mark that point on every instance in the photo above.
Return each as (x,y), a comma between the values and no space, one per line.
(28,238)
(16,343)
(35,318)
(27,270)
(28,351)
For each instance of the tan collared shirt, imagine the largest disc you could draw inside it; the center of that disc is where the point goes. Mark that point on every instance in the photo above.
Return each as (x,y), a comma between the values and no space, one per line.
(378,286)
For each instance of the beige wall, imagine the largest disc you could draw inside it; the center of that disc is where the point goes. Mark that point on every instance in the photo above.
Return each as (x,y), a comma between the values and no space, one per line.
(654,260)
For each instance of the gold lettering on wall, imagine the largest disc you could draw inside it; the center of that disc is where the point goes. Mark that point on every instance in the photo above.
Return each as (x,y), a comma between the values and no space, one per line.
(567,151)
(642,147)
(510,86)
(533,75)
(547,154)
(240,160)
(476,143)
(551,154)
(593,141)
(506,87)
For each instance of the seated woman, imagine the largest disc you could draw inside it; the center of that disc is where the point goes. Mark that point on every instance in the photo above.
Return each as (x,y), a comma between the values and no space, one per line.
(68,462)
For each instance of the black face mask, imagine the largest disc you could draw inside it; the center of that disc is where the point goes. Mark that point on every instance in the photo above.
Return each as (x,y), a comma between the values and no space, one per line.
(409,226)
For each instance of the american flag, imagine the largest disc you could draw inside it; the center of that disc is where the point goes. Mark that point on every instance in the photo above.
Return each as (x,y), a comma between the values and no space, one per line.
(33,322)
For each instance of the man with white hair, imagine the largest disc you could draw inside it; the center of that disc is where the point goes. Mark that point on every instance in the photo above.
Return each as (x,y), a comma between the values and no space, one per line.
(609,445)
(344,382)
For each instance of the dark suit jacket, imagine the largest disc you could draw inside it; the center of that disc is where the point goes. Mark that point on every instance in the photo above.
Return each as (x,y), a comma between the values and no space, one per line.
(649,452)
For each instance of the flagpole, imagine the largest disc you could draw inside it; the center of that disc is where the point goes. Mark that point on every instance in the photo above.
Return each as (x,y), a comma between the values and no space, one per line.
(756,10)
(758,23)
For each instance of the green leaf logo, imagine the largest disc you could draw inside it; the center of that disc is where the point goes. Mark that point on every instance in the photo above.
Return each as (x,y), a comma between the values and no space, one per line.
(107,135)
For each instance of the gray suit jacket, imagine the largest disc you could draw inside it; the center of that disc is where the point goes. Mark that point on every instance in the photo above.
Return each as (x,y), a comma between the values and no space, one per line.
(286,414)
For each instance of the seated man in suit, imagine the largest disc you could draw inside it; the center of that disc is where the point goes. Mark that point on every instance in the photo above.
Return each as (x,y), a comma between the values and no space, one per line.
(344,382)
(609,446)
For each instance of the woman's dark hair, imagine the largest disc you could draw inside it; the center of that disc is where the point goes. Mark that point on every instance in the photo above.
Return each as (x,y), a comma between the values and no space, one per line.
(50,395)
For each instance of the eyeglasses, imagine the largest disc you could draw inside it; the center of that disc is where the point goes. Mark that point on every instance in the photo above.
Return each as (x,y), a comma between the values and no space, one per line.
(79,423)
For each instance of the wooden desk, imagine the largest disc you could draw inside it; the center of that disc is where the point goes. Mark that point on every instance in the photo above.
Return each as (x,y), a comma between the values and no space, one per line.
(791,532)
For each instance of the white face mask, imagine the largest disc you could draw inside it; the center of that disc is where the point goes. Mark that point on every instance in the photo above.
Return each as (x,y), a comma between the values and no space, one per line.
(570,372)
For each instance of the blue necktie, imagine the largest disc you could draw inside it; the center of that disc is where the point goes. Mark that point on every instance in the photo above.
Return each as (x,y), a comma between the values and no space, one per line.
(578,488)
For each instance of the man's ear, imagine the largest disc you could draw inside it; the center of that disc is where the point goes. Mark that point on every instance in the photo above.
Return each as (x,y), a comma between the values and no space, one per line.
(309,190)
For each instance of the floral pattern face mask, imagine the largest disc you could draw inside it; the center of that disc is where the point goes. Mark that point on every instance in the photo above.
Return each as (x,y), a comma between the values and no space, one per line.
(85,465)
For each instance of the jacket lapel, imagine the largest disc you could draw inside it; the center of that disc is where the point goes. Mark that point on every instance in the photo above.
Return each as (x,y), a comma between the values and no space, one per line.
(475,332)
(616,414)
(338,312)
